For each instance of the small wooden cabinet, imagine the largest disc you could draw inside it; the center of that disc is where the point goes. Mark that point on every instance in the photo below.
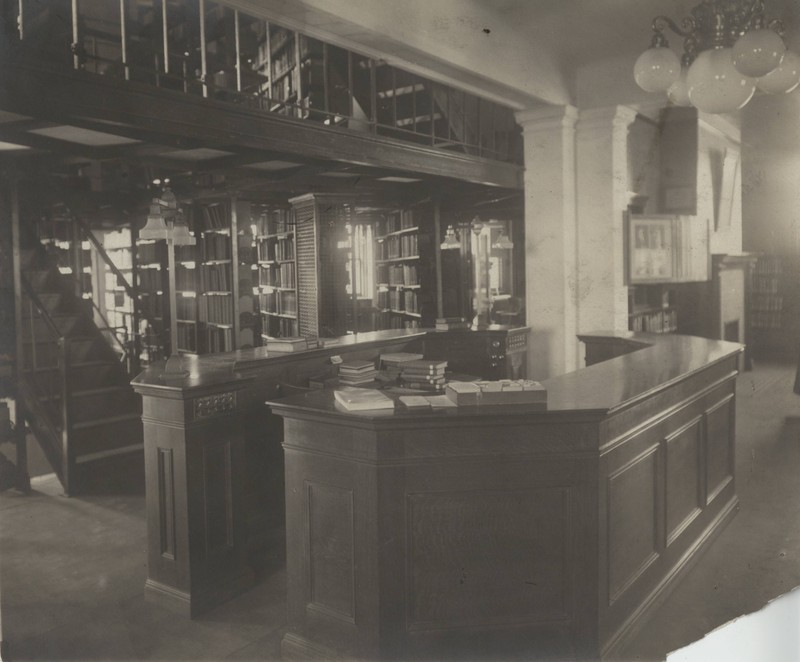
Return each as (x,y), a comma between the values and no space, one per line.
(496,352)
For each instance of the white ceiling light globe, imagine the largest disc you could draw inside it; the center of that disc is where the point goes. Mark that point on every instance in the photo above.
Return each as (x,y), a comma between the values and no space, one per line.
(678,92)
(715,86)
(785,78)
(656,69)
(758,52)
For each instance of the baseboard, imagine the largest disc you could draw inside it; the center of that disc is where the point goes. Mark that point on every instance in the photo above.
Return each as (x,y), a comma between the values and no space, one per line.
(661,592)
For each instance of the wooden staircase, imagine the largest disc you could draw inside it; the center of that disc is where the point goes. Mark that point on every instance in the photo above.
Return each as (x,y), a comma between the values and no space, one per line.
(75,387)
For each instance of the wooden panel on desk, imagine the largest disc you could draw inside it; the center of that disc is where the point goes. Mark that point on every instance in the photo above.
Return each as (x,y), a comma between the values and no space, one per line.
(684,483)
(719,446)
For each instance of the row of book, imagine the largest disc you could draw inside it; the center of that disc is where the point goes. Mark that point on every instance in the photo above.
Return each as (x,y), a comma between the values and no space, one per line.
(219,339)
(763,319)
(148,253)
(187,337)
(280,275)
(272,221)
(399,274)
(282,302)
(662,321)
(400,300)
(765,285)
(216,309)
(405,245)
(216,277)
(150,279)
(186,308)
(275,249)
(451,324)
(394,222)
(217,247)
(184,278)
(279,327)
(423,374)
(216,216)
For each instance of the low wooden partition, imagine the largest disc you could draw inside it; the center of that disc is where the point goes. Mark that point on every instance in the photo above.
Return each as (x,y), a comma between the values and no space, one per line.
(214,464)
(494,532)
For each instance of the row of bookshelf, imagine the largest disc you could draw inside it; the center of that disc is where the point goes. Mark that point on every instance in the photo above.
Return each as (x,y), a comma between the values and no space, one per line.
(216,247)
(216,309)
(216,277)
(278,275)
(398,300)
(280,302)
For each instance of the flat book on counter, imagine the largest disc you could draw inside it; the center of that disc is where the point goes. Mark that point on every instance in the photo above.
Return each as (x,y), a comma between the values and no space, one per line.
(362,399)
(289,344)
(501,392)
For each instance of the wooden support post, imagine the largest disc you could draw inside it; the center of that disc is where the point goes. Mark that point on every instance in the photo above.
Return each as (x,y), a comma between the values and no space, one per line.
(23,482)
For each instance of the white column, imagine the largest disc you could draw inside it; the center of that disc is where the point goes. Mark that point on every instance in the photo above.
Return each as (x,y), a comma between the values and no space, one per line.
(550,239)
(602,184)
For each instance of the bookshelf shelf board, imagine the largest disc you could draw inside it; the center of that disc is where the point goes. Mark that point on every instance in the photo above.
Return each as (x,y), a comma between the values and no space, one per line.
(277,235)
(213,262)
(267,288)
(267,262)
(398,259)
(180,321)
(225,231)
(189,264)
(401,286)
(150,265)
(404,312)
(283,315)
(398,232)
(216,293)
(219,325)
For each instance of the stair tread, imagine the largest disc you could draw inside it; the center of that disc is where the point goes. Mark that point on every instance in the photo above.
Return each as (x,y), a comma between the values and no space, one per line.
(109,419)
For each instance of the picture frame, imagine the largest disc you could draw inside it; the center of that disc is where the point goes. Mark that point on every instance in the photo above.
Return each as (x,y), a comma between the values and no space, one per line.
(651,249)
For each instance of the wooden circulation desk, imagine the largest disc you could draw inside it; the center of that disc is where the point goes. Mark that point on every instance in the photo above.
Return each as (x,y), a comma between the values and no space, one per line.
(214,464)
(497,531)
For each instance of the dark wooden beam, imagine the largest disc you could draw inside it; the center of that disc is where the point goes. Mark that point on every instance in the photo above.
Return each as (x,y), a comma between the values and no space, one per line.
(79,97)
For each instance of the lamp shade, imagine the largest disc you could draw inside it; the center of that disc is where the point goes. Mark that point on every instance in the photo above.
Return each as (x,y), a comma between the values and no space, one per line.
(503,241)
(783,79)
(757,52)
(715,86)
(156,227)
(678,92)
(656,69)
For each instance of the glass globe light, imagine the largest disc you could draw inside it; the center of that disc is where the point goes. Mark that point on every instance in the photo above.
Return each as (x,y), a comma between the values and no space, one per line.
(678,92)
(715,86)
(656,69)
(785,78)
(758,52)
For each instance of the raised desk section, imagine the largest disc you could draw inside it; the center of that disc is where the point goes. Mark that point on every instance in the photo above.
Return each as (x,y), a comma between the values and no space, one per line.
(214,463)
(499,531)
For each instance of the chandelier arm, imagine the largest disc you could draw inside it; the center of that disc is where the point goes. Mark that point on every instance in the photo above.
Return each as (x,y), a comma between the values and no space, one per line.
(756,10)
(662,22)
(777,25)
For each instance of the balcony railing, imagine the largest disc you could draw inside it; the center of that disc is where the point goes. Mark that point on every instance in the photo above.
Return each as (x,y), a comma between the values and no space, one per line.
(208,49)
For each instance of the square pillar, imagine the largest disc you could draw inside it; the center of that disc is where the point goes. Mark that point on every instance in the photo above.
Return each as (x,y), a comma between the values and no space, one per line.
(550,239)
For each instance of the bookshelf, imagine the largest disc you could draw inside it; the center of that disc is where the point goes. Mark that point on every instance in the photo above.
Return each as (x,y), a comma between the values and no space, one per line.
(651,309)
(277,278)
(149,272)
(249,328)
(401,268)
(219,293)
(186,299)
(774,308)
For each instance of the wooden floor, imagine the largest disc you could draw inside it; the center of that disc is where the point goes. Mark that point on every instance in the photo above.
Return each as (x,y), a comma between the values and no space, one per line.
(73,569)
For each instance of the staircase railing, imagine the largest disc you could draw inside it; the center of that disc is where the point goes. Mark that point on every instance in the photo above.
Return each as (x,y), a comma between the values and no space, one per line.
(46,397)
(131,344)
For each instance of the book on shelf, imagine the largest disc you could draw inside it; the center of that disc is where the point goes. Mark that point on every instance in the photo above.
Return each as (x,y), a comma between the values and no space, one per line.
(398,358)
(362,399)
(356,365)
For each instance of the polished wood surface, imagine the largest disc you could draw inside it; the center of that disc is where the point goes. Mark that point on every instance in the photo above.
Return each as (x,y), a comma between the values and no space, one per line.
(214,464)
(499,531)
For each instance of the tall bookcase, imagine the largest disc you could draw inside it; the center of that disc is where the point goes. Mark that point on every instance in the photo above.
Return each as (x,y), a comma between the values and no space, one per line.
(186,298)
(151,284)
(220,290)
(775,305)
(403,282)
(277,270)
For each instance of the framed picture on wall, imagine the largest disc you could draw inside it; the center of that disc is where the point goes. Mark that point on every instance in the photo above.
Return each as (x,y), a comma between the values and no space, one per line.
(651,249)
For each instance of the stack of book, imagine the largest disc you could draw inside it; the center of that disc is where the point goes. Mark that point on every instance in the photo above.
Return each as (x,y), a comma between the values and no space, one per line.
(391,363)
(451,323)
(354,372)
(423,374)
(287,344)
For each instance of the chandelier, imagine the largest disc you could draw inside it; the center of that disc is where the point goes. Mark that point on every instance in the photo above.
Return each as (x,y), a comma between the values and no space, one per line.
(730,49)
